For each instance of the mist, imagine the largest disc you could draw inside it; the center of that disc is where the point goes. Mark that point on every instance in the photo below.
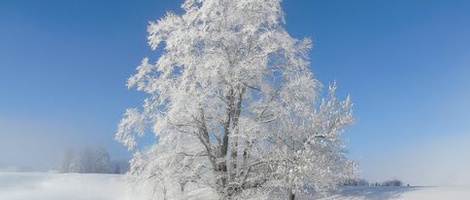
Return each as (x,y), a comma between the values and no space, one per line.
(38,145)
(434,161)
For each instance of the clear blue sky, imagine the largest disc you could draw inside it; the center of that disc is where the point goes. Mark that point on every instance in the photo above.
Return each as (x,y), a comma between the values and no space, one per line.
(406,64)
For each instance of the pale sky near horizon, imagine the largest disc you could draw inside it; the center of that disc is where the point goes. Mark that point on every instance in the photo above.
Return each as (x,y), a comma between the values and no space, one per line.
(406,65)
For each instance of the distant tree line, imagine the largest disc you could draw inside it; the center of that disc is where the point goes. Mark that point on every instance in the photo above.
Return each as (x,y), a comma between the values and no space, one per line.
(91,160)
(363,182)
(356,182)
(394,182)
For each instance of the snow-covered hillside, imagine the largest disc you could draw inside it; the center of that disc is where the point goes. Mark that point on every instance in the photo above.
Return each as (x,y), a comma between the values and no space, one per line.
(49,186)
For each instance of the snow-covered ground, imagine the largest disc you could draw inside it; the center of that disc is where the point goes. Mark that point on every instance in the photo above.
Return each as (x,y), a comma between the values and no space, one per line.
(49,186)
(411,193)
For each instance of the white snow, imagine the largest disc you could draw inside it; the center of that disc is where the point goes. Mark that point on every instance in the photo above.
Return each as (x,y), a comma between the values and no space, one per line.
(50,186)
(403,193)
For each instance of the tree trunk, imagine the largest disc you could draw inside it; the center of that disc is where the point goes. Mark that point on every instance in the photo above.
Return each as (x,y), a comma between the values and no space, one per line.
(291,195)
(164,193)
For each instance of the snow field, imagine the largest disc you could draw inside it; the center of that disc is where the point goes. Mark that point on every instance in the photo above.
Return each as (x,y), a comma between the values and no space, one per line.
(51,186)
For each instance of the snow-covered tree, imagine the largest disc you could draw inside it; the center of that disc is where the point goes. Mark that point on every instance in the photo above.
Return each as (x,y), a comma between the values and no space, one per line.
(67,160)
(77,164)
(232,104)
(101,162)
(86,160)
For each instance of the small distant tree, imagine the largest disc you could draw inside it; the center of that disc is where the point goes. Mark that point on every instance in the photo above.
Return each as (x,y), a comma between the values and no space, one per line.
(77,165)
(67,160)
(86,160)
(394,182)
(101,161)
